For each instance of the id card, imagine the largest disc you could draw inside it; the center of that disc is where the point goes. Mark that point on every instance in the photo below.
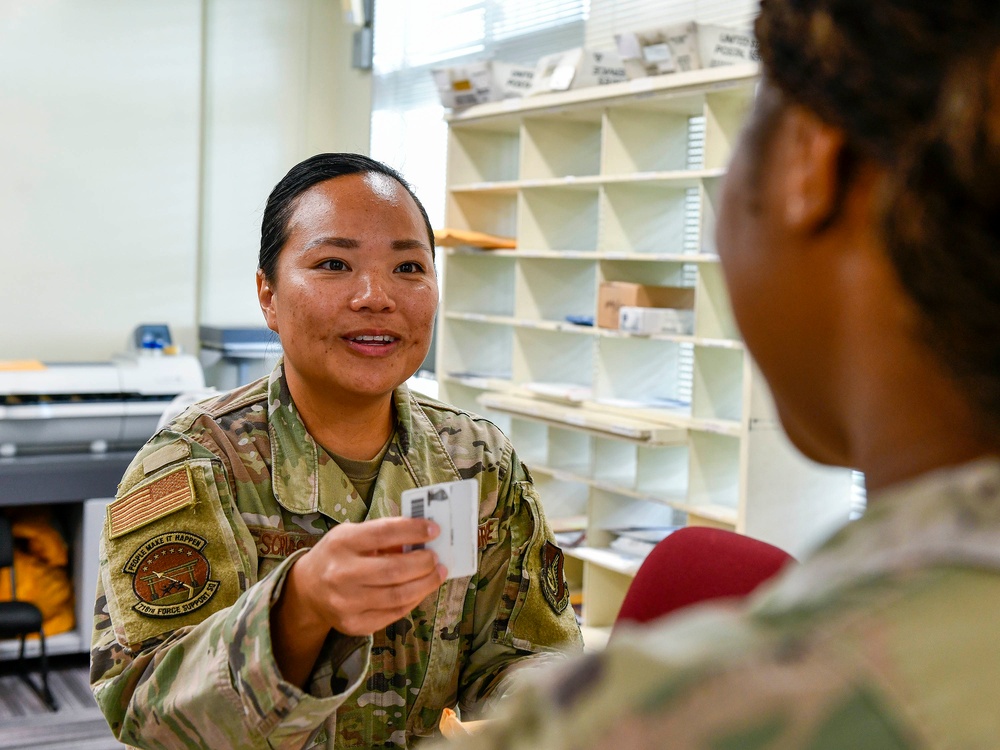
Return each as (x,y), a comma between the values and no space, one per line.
(454,506)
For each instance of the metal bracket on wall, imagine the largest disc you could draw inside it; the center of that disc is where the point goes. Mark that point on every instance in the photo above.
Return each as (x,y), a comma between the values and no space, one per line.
(362,50)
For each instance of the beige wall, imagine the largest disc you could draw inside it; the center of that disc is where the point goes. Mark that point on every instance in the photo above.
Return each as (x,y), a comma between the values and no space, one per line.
(138,143)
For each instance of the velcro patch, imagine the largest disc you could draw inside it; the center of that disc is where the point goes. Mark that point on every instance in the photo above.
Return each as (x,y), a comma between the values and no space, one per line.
(552,577)
(489,532)
(152,501)
(171,575)
(277,544)
(166,455)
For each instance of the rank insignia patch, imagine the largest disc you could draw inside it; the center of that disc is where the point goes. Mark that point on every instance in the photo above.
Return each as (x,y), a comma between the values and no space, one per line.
(552,578)
(170,575)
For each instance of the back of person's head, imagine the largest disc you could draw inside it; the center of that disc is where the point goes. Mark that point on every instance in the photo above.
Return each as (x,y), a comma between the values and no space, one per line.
(304,175)
(915,87)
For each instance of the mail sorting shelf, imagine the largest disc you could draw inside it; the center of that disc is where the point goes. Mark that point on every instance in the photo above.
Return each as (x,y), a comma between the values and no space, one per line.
(617,183)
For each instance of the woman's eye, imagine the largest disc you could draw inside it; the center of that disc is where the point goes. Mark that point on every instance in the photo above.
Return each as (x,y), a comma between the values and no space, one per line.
(409,267)
(333,265)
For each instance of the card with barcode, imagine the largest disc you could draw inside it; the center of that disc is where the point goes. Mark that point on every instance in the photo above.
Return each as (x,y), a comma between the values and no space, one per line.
(454,506)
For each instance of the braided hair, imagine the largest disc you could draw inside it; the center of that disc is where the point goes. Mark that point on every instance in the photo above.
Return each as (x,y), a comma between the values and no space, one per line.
(915,86)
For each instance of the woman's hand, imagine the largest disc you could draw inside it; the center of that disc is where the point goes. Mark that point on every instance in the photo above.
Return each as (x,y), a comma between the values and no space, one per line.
(355,580)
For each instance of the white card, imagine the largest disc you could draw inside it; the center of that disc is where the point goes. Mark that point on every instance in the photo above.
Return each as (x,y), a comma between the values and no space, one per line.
(454,506)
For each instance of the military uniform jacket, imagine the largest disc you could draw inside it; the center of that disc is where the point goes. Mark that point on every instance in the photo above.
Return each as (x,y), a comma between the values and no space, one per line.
(886,638)
(207,520)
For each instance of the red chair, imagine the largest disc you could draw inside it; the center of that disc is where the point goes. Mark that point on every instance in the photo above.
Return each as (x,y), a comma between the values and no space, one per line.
(695,564)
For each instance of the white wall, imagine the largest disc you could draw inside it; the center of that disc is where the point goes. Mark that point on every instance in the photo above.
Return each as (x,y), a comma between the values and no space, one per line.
(138,143)
(279,88)
(98,172)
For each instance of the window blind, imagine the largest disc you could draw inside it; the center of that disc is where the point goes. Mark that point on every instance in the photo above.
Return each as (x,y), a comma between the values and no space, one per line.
(408,130)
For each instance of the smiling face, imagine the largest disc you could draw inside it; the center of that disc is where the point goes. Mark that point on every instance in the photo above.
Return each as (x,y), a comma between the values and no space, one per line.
(354,293)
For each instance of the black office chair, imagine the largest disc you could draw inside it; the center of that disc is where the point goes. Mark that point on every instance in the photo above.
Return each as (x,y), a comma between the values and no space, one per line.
(19,619)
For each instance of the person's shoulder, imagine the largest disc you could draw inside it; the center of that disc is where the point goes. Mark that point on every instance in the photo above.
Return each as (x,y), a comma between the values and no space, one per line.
(252,396)
(196,432)
(452,421)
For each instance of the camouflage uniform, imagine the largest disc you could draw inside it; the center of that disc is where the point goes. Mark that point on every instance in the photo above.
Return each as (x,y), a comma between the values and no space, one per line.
(885,638)
(207,521)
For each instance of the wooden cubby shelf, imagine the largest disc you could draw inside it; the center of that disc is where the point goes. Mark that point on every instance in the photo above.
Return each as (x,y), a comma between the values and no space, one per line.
(616,183)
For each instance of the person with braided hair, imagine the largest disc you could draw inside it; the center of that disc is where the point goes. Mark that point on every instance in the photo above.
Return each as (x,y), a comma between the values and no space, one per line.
(860,239)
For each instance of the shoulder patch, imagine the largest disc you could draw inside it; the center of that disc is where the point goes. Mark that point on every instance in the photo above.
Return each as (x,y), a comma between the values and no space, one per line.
(170,575)
(553,578)
(166,455)
(150,502)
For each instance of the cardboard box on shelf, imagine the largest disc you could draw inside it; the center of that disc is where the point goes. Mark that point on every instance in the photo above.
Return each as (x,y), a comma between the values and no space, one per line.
(664,49)
(577,69)
(651,320)
(681,47)
(613,295)
(479,82)
(721,45)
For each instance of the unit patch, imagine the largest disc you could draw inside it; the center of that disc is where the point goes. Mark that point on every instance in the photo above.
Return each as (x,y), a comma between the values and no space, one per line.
(170,575)
(552,578)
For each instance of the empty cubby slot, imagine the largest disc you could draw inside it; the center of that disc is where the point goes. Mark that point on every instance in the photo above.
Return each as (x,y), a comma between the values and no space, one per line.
(560,499)
(615,462)
(725,112)
(713,314)
(493,213)
(553,357)
(642,140)
(663,471)
(611,513)
(569,450)
(477,349)
(480,155)
(718,383)
(657,273)
(558,219)
(646,373)
(709,197)
(560,147)
(530,440)
(554,289)
(644,219)
(480,283)
(713,470)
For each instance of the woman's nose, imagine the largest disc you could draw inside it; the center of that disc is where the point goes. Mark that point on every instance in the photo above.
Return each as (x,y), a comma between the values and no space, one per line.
(373,293)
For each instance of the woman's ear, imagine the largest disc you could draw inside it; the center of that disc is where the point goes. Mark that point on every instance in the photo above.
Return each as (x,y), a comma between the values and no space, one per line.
(813,153)
(268,301)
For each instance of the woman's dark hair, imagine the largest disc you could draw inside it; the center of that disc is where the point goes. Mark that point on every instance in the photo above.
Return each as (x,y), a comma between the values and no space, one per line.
(915,87)
(319,168)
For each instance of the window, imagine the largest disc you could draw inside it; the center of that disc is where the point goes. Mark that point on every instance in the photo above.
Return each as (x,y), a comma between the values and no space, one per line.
(411,39)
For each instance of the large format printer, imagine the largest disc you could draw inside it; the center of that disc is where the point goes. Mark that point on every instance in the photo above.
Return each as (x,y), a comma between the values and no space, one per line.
(67,434)
(47,408)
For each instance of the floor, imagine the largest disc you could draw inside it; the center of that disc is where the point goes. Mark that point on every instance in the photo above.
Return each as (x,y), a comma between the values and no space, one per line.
(26,723)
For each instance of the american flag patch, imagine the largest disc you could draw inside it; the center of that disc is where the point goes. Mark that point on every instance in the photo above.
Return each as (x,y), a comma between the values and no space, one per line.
(155,500)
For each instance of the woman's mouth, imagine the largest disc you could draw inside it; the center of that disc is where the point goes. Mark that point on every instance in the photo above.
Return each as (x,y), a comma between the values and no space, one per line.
(371,343)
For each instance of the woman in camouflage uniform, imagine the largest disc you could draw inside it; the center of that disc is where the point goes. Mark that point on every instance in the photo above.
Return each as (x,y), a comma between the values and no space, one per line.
(860,237)
(253,589)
